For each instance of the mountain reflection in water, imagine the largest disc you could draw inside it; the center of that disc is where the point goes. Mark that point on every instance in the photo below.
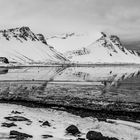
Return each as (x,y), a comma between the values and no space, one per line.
(109,80)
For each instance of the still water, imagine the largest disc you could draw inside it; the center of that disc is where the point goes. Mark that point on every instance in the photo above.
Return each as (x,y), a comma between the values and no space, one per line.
(112,82)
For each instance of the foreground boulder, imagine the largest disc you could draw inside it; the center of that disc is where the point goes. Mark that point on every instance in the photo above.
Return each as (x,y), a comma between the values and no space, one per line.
(16,112)
(17,118)
(92,135)
(73,130)
(19,136)
(8,125)
(46,123)
(47,136)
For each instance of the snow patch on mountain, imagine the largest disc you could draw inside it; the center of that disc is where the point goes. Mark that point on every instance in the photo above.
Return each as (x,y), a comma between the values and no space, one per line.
(71,41)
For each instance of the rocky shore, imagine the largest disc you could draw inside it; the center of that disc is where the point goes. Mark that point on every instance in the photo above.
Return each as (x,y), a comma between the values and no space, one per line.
(19,122)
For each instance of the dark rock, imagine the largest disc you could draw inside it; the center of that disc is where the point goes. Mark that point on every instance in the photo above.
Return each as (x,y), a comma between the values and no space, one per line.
(110,121)
(72,129)
(19,136)
(46,123)
(80,139)
(24,29)
(28,123)
(40,121)
(4,60)
(102,119)
(42,38)
(92,135)
(47,136)
(17,118)
(8,125)
(111,138)
(16,112)
(103,34)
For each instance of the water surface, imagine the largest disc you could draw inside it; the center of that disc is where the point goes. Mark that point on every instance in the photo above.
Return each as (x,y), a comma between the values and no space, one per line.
(112,82)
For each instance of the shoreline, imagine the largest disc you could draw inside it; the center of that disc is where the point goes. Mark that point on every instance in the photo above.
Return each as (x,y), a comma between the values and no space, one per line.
(53,123)
(73,65)
(101,114)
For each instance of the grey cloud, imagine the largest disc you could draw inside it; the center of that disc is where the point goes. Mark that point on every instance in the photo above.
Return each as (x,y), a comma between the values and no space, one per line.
(121,17)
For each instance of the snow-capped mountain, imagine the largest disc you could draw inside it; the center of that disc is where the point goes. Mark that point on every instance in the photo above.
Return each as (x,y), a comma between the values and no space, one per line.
(71,41)
(107,49)
(21,45)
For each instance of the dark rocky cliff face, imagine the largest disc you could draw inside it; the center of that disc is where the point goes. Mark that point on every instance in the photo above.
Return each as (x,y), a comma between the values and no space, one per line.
(22,34)
(42,38)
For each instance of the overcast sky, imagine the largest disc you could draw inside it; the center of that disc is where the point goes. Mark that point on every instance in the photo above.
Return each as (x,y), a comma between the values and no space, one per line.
(120,17)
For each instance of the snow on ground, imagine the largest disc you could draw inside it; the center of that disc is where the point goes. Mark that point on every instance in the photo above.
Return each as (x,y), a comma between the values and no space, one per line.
(60,120)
